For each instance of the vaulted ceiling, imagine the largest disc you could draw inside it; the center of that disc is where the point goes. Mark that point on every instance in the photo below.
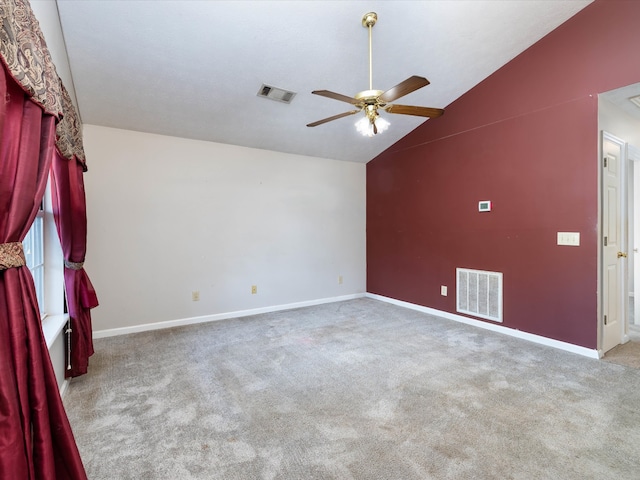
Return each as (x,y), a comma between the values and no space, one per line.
(193,69)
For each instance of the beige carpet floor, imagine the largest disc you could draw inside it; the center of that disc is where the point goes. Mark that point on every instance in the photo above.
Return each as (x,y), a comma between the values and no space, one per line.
(352,390)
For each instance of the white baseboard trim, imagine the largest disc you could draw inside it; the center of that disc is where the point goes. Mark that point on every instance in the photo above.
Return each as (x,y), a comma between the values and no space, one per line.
(549,342)
(111,332)
(63,388)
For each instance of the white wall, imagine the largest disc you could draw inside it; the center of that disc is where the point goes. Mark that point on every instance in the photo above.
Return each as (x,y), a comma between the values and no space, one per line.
(168,216)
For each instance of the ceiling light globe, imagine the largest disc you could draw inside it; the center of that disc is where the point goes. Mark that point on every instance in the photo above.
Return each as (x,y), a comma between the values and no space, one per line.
(364,127)
(381,124)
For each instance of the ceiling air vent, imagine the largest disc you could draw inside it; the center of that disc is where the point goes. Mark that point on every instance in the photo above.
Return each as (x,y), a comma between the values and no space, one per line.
(277,94)
(635,100)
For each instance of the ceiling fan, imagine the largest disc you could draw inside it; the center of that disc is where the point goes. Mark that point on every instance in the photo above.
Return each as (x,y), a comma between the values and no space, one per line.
(370,101)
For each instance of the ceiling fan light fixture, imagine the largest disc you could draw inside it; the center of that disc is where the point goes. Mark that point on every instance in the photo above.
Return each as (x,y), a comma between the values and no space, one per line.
(369,127)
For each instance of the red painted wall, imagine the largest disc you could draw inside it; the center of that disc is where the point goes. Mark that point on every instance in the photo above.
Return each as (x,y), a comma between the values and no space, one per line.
(526,138)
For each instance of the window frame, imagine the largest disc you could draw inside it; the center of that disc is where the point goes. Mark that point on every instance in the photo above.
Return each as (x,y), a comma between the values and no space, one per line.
(34,253)
(52,301)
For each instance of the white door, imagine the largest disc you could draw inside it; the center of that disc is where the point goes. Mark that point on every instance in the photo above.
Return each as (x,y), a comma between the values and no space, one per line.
(633,154)
(614,290)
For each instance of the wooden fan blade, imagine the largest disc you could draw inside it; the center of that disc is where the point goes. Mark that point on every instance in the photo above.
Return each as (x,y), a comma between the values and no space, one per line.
(335,96)
(411,84)
(329,119)
(417,111)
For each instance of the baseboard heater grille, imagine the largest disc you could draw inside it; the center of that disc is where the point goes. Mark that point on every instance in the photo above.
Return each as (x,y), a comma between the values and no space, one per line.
(479,293)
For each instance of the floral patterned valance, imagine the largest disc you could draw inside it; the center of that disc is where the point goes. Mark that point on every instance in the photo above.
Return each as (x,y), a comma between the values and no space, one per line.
(69,132)
(26,56)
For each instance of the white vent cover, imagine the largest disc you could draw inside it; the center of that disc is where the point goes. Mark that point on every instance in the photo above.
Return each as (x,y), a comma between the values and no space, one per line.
(479,293)
(277,94)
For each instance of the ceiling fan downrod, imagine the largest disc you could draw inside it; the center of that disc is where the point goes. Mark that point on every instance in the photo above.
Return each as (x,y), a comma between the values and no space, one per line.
(368,21)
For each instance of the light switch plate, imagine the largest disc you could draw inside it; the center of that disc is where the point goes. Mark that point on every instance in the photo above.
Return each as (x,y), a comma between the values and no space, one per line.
(571,239)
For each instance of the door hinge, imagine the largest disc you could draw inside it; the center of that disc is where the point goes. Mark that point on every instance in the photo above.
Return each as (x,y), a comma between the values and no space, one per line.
(605,319)
(605,162)
(605,241)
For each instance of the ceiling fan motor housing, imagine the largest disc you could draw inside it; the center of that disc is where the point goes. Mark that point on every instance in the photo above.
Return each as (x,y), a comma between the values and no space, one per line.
(369,97)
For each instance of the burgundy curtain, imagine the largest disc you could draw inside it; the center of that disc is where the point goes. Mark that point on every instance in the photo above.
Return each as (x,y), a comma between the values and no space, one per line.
(36,442)
(69,210)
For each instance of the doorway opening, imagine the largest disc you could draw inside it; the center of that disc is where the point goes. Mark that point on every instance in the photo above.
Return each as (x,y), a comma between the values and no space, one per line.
(619,117)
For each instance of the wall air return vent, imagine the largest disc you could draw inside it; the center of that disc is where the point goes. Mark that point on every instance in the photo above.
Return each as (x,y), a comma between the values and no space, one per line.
(277,94)
(479,293)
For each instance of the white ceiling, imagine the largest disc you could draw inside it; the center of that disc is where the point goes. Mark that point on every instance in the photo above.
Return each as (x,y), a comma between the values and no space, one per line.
(193,68)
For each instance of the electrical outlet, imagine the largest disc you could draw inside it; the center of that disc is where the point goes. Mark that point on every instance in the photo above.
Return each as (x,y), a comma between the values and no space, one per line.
(339,279)
(195,296)
(254,289)
(443,290)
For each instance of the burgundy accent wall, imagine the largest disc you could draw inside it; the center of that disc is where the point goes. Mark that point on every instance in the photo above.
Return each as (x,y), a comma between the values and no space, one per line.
(526,138)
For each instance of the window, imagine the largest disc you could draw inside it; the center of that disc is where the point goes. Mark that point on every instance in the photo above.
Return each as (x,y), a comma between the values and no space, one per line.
(43,256)
(34,254)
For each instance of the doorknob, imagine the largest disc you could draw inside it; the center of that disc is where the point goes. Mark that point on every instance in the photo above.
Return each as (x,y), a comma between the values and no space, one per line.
(621,254)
